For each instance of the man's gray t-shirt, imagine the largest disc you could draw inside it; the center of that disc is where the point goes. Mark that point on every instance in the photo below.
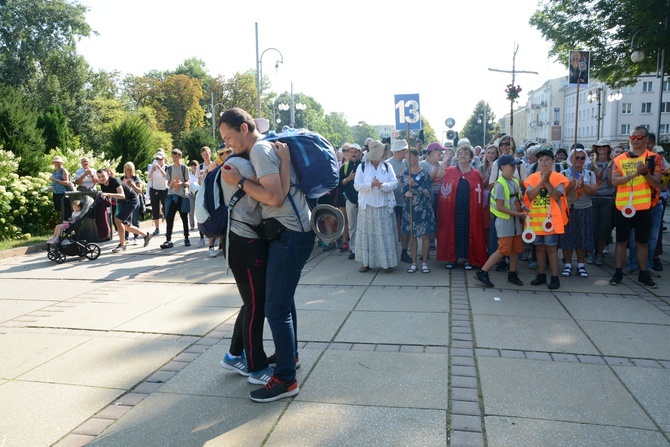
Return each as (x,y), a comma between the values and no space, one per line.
(246,209)
(512,226)
(265,162)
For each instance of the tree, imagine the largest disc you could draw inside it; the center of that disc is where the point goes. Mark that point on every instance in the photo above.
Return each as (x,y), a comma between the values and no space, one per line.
(33,30)
(339,131)
(362,131)
(473,129)
(240,91)
(53,124)
(131,140)
(181,99)
(18,130)
(598,26)
(193,142)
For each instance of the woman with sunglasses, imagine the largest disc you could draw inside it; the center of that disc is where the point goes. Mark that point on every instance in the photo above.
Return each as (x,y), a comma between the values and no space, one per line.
(578,234)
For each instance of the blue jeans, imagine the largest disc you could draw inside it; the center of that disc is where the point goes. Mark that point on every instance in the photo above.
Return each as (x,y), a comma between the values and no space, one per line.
(286,258)
(656,217)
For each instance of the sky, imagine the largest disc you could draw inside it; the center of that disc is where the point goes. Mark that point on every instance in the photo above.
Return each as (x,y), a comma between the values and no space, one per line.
(351,56)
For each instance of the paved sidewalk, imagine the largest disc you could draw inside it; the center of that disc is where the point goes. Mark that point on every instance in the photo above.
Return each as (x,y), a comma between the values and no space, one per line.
(125,351)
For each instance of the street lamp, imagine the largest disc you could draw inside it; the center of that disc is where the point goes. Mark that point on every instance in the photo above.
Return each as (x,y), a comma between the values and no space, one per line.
(482,119)
(281,106)
(594,95)
(211,113)
(259,70)
(294,105)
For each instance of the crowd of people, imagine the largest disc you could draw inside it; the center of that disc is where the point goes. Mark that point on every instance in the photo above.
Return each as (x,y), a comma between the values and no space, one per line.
(489,208)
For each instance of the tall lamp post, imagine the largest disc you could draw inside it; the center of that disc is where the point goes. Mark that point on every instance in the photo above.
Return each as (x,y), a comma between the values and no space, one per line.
(211,113)
(294,105)
(259,70)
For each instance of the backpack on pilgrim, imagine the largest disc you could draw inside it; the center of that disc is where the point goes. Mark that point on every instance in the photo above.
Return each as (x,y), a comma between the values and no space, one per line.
(211,210)
(313,159)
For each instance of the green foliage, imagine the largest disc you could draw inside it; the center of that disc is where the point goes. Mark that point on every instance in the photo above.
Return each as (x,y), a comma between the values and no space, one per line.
(73,155)
(473,129)
(240,91)
(338,131)
(606,28)
(362,131)
(18,130)
(54,127)
(193,142)
(131,140)
(33,30)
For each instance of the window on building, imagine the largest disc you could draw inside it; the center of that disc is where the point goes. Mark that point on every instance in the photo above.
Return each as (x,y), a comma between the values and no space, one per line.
(625,129)
(626,108)
(627,89)
(665,128)
(665,107)
(646,107)
(666,85)
(647,86)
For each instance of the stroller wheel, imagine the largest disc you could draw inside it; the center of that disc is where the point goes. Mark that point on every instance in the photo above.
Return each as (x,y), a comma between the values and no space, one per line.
(60,258)
(92,251)
(51,255)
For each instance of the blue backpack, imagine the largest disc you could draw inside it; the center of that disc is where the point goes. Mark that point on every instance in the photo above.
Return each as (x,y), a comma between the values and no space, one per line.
(313,159)
(211,208)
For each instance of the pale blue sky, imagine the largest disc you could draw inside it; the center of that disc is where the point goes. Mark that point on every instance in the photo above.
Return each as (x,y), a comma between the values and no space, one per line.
(351,56)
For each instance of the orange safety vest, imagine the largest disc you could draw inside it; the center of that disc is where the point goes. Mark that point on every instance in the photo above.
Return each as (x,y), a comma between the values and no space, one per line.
(540,206)
(642,197)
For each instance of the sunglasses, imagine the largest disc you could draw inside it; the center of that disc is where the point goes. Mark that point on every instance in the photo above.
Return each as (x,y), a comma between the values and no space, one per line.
(580,158)
(637,137)
(504,144)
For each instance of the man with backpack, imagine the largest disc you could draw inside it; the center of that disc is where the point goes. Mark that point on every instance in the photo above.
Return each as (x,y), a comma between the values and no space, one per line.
(286,214)
(177,200)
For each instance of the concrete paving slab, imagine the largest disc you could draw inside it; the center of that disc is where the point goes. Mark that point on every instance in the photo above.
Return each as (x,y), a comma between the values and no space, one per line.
(205,376)
(406,299)
(193,268)
(531,334)
(315,325)
(175,419)
(414,328)
(22,352)
(45,289)
(645,384)
(516,303)
(519,432)
(337,270)
(558,391)
(316,297)
(179,317)
(438,276)
(96,316)
(602,308)
(663,285)
(354,378)
(629,339)
(42,413)
(10,309)
(90,363)
(315,424)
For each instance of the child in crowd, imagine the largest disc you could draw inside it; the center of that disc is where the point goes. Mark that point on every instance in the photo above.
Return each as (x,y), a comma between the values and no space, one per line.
(506,205)
(545,191)
(76,211)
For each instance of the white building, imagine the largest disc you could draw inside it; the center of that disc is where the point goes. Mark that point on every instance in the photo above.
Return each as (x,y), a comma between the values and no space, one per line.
(545,119)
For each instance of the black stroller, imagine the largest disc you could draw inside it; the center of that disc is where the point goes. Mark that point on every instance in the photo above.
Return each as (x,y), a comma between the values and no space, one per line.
(68,244)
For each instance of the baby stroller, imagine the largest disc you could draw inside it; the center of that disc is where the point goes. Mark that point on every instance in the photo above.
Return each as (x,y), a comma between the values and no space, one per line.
(68,245)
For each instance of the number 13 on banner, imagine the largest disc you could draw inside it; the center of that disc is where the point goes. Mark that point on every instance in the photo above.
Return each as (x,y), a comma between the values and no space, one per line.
(407,111)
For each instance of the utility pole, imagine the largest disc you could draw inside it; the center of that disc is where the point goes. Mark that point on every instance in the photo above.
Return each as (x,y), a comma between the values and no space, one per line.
(514,72)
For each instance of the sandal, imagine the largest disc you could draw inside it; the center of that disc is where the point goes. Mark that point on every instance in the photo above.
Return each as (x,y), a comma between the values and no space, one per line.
(582,272)
(412,268)
(450,265)
(567,270)
(424,268)
(363,268)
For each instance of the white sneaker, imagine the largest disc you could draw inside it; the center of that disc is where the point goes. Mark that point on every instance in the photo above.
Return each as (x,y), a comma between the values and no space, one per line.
(202,242)
(213,252)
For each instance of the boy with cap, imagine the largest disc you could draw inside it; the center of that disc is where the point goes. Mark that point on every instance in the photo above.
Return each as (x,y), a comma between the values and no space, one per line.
(544,197)
(507,207)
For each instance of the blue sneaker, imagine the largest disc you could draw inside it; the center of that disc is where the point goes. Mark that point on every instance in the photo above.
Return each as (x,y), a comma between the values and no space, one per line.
(237,364)
(261,377)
